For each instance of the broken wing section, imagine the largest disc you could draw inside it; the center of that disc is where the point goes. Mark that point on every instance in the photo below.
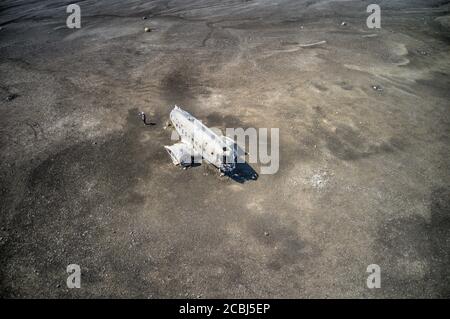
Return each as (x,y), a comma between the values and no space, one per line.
(182,154)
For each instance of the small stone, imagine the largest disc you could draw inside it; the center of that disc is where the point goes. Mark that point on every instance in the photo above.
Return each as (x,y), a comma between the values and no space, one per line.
(144,18)
(58,286)
(343,23)
(377,88)
(147,29)
(266,233)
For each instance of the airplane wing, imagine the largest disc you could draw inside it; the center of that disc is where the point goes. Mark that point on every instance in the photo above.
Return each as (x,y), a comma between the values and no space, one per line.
(182,154)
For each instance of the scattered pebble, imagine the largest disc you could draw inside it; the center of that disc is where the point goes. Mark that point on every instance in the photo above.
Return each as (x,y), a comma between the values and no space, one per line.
(144,18)
(377,88)
(58,286)
(422,52)
(147,29)
(266,233)
(343,23)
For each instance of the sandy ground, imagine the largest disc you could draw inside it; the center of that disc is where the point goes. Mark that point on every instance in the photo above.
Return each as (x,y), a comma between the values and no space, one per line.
(364,174)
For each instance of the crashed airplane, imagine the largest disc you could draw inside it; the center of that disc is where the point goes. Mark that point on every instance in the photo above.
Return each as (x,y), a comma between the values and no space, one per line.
(198,143)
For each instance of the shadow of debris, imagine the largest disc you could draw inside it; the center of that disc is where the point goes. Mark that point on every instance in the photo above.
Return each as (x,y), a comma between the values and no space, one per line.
(243,173)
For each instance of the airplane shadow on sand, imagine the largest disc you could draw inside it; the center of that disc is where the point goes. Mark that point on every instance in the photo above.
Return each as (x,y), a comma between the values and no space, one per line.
(243,173)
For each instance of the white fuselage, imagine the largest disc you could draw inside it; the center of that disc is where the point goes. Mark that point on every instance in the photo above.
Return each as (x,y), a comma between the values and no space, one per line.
(217,150)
